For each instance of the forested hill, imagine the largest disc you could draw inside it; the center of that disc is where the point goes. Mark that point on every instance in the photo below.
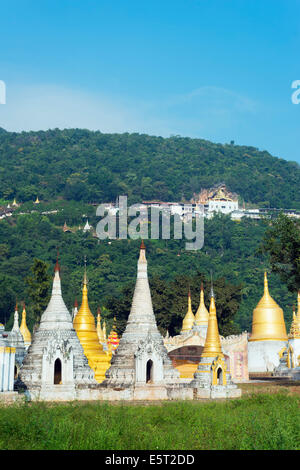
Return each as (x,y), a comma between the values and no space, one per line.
(90,166)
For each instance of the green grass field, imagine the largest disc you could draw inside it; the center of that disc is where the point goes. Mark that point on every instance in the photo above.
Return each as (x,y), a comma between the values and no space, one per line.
(257,422)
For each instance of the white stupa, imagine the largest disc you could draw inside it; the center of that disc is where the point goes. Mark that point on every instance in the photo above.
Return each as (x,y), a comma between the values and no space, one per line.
(141,367)
(55,367)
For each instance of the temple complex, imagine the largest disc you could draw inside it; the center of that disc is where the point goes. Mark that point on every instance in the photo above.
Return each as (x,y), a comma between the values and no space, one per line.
(84,324)
(71,357)
(268,335)
(140,368)
(212,378)
(55,367)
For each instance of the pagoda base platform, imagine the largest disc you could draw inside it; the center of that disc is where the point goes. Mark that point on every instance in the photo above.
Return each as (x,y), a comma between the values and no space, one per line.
(145,392)
(217,391)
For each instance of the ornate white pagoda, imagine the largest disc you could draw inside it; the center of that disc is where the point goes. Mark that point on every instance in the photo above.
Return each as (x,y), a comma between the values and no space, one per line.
(141,368)
(55,367)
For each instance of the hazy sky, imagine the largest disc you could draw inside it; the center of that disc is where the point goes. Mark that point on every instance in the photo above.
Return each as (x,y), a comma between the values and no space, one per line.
(218,70)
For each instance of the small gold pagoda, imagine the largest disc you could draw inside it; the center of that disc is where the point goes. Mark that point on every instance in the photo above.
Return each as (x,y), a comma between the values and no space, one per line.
(201,317)
(84,325)
(295,326)
(189,319)
(24,329)
(212,346)
(268,320)
(212,379)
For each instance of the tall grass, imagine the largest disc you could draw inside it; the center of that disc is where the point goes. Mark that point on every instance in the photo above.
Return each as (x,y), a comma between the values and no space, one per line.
(258,422)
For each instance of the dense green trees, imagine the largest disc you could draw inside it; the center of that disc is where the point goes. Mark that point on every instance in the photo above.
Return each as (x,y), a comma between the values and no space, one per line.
(38,285)
(70,168)
(230,251)
(88,166)
(282,242)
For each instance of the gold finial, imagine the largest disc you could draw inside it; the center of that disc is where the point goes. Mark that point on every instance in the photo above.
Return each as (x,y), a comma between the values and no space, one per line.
(268,320)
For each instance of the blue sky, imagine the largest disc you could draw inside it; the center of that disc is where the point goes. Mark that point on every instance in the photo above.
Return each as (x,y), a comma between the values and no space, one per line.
(218,70)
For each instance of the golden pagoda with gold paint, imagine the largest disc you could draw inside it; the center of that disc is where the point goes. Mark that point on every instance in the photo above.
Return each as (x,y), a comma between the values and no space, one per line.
(268,320)
(212,378)
(24,329)
(189,319)
(113,338)
(212,346)
(202,314)
(84,325)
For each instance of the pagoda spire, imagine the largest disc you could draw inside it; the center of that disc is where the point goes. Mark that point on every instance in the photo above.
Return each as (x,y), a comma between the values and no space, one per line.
(202,314)
(16,319)
(84,324)
(141,308)
(212,347)
(295,326)
(24,329)
(189,319)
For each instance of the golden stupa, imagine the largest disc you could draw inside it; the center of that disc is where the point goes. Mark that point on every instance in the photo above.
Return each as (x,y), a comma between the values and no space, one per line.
(202,314)
(189,319)
(84,324)
(24,329)
(295,326)
(212,346)
(268,320)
